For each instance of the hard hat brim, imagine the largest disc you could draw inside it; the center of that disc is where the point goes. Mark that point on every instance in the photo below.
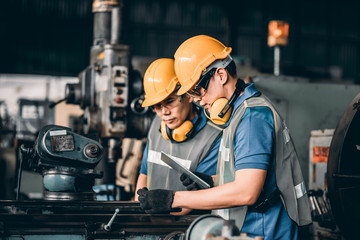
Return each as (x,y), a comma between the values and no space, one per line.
(148,103)
(183,90)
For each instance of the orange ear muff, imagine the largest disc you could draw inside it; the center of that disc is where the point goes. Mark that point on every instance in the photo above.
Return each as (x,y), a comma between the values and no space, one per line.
(163,131)
(221,109)
(178,134)
(216,108)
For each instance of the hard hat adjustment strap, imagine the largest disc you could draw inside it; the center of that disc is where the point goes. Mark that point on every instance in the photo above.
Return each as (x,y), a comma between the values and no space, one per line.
(218,63)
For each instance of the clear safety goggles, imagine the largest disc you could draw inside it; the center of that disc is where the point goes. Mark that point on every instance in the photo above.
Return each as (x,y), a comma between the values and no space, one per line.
(169,103)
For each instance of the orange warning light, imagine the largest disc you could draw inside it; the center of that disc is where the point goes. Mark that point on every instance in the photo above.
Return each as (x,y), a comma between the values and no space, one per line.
(278,33)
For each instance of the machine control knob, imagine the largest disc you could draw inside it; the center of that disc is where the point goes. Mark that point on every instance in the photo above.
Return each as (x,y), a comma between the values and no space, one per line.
(119,100)
(91,150)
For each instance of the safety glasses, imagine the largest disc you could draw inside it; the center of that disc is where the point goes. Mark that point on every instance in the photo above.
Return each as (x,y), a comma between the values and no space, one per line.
(169,103)
(202,83)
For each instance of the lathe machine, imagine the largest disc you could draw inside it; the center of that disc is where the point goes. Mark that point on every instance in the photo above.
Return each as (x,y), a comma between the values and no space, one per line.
(66,161)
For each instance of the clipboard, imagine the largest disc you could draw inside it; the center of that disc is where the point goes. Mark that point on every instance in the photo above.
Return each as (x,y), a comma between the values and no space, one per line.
(174,164)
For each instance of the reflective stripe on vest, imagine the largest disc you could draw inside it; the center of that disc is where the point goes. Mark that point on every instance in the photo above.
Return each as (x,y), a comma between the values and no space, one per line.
(289,178)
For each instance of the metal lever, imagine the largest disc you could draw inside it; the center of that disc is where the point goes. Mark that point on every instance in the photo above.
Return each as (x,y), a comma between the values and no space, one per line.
(51,105)
(107,227)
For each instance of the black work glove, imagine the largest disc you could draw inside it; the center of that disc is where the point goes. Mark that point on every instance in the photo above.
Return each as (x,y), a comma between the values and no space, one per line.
(157,200)
(193,186)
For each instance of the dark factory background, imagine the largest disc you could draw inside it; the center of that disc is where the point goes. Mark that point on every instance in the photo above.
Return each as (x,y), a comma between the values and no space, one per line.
(54,37)
(47,46)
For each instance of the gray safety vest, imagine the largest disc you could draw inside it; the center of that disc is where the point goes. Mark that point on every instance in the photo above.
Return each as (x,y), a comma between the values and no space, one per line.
(190,153)
(289,178)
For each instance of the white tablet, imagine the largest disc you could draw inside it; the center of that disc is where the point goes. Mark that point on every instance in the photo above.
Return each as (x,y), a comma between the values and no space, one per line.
(174,164)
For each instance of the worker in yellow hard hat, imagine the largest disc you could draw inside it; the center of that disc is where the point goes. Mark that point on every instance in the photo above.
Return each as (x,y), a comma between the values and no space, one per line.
(179,129)
(258,182)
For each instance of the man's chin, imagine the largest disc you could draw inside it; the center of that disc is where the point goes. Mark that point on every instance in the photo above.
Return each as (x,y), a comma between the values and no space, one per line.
(172,126)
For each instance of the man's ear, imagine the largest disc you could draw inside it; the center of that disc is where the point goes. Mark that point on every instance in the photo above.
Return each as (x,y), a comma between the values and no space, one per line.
(222,75)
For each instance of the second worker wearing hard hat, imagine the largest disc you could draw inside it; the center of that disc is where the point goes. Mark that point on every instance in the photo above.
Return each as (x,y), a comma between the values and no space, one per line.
(258,182)
(179,129)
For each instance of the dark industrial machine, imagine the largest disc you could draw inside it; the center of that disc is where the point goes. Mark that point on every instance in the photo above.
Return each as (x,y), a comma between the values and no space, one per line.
(66,162)
(335,208)
(83,220)
(109,91)
(343,171)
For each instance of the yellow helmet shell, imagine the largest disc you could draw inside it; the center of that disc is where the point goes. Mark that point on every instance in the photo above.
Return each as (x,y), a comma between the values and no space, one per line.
(193,57)
(159,81)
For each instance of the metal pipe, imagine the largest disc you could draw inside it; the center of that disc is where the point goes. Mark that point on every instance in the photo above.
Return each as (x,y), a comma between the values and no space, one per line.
(102,22)
(115,25)
(105,27)
(277,60)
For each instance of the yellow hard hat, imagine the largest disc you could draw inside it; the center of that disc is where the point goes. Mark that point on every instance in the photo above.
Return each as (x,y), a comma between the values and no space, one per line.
(194,56)
(159,81)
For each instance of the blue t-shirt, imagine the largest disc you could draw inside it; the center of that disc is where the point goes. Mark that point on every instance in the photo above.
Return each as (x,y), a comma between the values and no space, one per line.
(207,165)
(253,144)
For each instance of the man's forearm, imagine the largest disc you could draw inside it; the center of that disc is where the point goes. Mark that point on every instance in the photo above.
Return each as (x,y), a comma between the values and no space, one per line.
(243,191)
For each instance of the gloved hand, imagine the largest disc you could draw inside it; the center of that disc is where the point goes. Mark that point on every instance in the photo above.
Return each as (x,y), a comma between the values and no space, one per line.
(156,201)
(193,186)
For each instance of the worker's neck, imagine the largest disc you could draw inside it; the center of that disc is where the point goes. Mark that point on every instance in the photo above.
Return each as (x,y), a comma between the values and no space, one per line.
(192,114)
